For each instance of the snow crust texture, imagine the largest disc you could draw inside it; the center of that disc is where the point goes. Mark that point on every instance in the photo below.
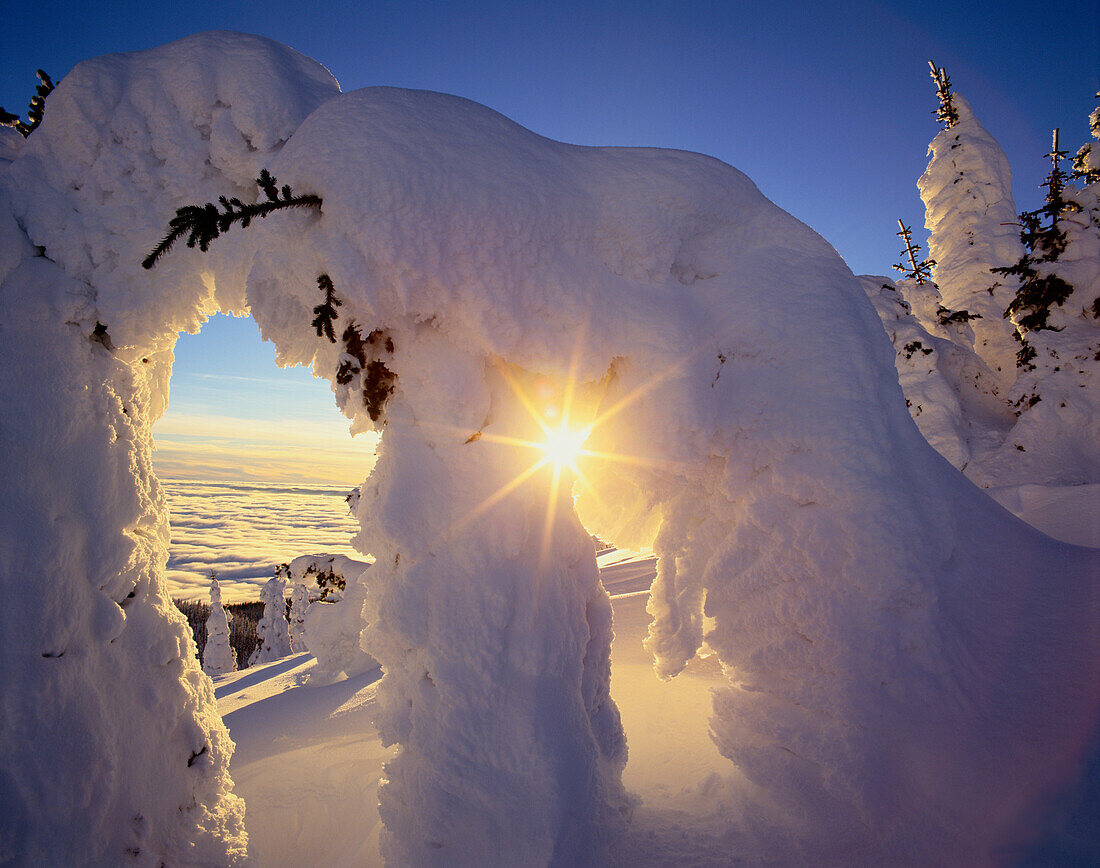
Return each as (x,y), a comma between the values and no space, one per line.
(910,670)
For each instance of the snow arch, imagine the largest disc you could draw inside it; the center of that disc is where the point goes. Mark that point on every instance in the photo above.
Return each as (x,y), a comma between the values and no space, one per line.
(888,648)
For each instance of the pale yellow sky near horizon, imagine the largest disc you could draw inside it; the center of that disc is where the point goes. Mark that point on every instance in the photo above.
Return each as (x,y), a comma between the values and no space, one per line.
(233,415)
(209,447)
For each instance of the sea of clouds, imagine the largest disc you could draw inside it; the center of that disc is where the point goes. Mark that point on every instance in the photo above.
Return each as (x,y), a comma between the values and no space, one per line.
(242,530)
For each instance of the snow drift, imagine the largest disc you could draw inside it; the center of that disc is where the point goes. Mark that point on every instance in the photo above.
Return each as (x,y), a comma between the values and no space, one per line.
(909,668)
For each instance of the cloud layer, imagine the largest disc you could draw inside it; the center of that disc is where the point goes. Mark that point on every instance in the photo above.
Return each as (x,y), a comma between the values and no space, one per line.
(242,530)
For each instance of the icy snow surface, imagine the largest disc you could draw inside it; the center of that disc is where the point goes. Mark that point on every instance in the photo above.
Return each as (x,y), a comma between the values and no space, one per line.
(904,670)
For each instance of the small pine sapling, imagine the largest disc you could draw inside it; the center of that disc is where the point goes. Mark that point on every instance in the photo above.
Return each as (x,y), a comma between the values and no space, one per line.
(946,114)
(34,112)
(203,223)
(921,271)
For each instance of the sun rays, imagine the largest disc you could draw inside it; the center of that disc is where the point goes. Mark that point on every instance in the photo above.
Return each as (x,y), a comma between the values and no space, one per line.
(564,446)
(556,420)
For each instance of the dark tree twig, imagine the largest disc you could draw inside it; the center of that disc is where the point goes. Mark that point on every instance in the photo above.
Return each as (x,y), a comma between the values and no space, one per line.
(203,223)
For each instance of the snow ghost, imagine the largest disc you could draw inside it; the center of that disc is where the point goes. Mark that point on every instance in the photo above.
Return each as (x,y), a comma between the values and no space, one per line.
(218,657)
(469,288)
(272,630)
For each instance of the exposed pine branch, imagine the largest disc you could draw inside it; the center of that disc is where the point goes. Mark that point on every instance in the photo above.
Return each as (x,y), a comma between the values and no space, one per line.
(921,272)
(203,223)
(326,311)
(946,114)
(35,109)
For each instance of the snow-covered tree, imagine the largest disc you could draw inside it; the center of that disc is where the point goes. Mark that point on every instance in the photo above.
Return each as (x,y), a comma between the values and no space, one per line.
(1045,239)
(970,213)
(218,657)
(947,387)
(1086,162)
(1056,313)
(330,627)
(299,602)
(272,631)
(333,631)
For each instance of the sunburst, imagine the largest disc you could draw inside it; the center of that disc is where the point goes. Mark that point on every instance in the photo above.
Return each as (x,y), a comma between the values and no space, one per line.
(563,446)
(561,425)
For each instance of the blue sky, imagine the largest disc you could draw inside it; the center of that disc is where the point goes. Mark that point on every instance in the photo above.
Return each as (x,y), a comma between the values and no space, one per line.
(826,106)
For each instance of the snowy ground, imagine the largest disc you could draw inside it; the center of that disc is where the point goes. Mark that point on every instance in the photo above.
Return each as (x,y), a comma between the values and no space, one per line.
(1070,513)
(307,751)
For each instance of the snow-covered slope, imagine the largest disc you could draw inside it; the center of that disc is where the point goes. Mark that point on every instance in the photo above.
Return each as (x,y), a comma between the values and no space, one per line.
(907,669)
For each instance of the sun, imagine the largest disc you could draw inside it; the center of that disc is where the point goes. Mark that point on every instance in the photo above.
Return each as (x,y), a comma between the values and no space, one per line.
(563,446)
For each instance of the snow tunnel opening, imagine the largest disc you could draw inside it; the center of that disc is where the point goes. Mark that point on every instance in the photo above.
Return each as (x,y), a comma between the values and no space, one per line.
(256,463)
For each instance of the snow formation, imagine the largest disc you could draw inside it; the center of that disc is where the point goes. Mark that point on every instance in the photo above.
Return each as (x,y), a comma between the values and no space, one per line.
(272,631)
(111,748)
(333,623)
(909,669)
(299,602)
(217,656)
(1002,419)
(970,213)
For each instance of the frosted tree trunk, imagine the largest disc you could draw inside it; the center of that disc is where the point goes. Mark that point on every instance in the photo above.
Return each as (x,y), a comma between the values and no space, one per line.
(967,193)
(217,657)
(111,748)
(494,632)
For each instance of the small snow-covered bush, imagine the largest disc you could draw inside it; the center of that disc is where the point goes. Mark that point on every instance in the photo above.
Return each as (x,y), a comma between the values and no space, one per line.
(332,631)
(332,623)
